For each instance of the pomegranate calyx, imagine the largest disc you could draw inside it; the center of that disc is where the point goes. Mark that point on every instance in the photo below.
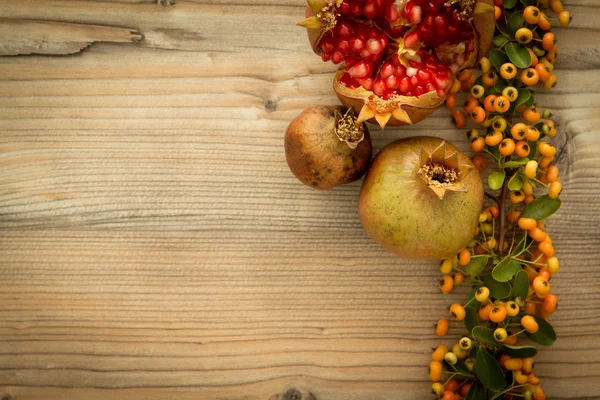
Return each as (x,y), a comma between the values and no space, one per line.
(442,172)
(325,15)
(348,129)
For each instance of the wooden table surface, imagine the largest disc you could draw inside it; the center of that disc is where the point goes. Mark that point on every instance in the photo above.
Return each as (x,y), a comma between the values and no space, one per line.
(154,245)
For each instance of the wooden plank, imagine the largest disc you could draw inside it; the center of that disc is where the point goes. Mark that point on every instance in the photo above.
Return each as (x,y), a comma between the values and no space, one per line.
(153,243)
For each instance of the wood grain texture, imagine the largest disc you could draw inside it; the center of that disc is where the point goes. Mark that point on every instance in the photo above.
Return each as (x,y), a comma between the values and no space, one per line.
(154,245)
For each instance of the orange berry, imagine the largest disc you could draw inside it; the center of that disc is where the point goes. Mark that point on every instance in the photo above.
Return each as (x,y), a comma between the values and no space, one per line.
(533,379)
(448,395)
(556,6)
(548,40)
(552,54)
(464,75)
(550,303)
(532,134)
(441,328)
(541,286)
(457,312)
(522,148)
(537,234)
(527,365)
(470,104)
(484,312)
(554,190)
(455,87)
(494,211)
(531,15)
(534,59)
(459,118)
(503,359)
(530,325)
(464,257)
(527,223)
(527,188)
(528,199)
(446,284)
(439,353)
(507,147)
(502,104)
(517,196)
(459,278)
(550,83)
(490,78)
(452,385)
(518,131)
(564,18)
(531,114)
(493,138)
(530,76)
(513,217)
(480,162)
(450,101)
(546,149)
(498,314)
(539,393)
(436,369)
(508,70)
(543,72)
(552,173)
(553,265)
(544,22)
(477,144)
(513,364)
(478,114)
(545,273)
(549,128)
(497,12)
(488,102)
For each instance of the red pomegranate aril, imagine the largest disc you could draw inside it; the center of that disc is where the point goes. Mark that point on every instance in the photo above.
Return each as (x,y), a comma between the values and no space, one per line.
(404,85)
(375,46)
(429,20)
(350,61)
(425,32)
(419,90)
(327,46)
(344,30)
(337,57)
(357,44)
(370,10)
(423,76)
(411,39)
(366,83)
(416,14)
(407,9)
(391,13)
(344,8)
(361,69)
(411,71)
(343,46)
(429,88)
(379,87)
(349,81)
(400,71)
(440,20)
(387,69)
(356,9)
(414,81)
(442,81)
(392,82)
(325,57)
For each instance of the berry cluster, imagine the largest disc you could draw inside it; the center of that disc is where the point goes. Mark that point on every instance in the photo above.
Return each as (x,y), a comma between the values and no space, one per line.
(511,260)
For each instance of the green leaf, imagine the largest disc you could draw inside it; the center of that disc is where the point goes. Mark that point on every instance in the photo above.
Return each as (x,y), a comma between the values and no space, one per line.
(518,54)
(500,40)
(521,246)
(515,22)
(506,269)
(509,3)
(520,285)
(475,392)
(497,58)
(515,183)
(470,320)
(524,95)
(494,152)
(484,335)
(519,351)
(496,179)
(545,335)
(488,371)
(514,164)
(541,208)
(476,265)
(527,2)
(460,367)
(529,102)
(499,290)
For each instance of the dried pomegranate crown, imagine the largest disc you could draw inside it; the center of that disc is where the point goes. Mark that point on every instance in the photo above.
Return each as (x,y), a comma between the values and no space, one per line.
(398,58)
(442,172)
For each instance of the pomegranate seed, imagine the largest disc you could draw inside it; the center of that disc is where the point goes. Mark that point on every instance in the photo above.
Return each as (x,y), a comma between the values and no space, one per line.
(400,71)
(429,20)
(370,10)
(366,83)
(392,82)
(423,76)
(357,44)
(327,46)
(441,20)
(414,81)
(396,60)
(379,87)
(426,32)
(442,81)
(411,71)
(337,57)
(429,88)
(356,9)
(361,69)
(416,15)
(440,93)
(411,39)
(452,31)
(344,8)
(375,46)
(387,69)
(419,90)
(391,13)
(344,30)
(325,57)
(343,46)
(404,85)
(350,61)
(406,11)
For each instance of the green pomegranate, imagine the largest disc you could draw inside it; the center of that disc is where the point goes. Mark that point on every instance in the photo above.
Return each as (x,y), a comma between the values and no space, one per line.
(421,198)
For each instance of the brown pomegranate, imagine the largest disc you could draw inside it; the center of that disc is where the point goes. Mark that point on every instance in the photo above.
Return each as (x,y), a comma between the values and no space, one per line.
(398,58)
(326,147)
(421,198)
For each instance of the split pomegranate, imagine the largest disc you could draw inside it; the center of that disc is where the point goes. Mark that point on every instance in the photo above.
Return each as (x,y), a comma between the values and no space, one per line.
(398,58)
(421,198)
(326,147)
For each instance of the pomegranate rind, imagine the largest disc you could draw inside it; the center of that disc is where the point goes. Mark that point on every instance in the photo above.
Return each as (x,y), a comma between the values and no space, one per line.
(484,26)
(399,211)
(404,110)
